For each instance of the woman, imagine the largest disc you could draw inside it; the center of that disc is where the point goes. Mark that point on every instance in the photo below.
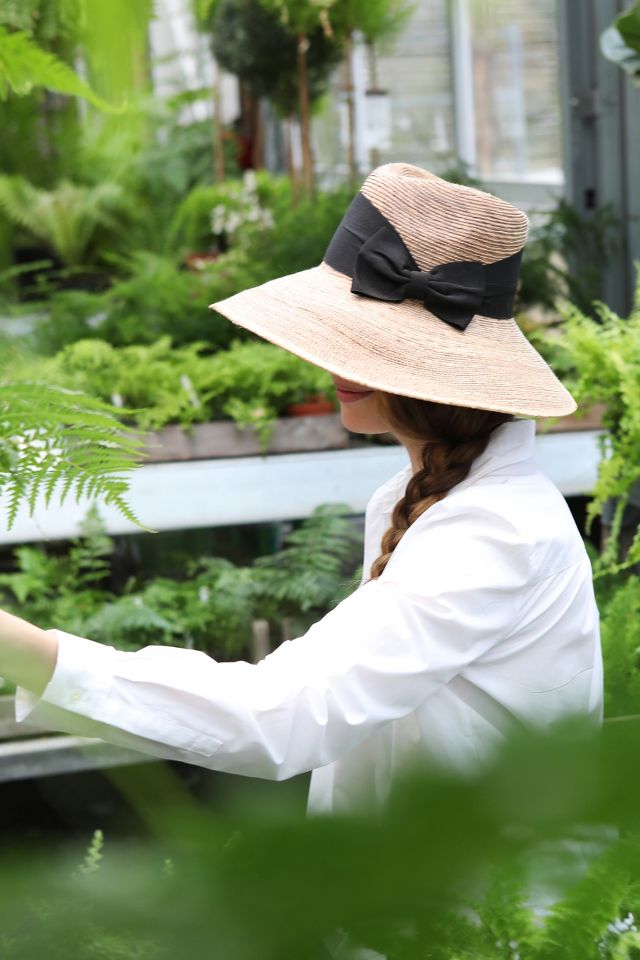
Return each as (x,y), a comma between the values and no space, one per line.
(476,609)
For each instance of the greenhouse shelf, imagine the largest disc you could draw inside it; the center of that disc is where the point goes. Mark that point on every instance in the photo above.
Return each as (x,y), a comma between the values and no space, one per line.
(240,490)
(28,751)
(52,755)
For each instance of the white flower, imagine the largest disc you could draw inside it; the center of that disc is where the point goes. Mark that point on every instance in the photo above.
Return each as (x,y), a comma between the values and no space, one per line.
(250,181)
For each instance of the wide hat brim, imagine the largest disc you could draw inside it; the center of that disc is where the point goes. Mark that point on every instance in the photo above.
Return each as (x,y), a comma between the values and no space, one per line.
(400,348)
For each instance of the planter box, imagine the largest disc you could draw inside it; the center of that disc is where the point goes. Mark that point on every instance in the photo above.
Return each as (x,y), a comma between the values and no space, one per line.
(211,441)
(592,420)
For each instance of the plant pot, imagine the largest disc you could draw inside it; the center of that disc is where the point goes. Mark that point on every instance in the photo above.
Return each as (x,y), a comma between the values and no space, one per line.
(197,262)
(313,407)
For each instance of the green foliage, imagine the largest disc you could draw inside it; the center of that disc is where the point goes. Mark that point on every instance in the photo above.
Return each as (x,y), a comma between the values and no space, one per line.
(300,235)
(57,441)
(472,867)
(93,856)
(251,383)
(376,20)
(602,361)
(620,633)
(621,42)
(309,575)
(555,243)
(61,588)
(211,607)
(157,298)
(68,219)
(252,41)
(24,65)
(219,212)
(45,20)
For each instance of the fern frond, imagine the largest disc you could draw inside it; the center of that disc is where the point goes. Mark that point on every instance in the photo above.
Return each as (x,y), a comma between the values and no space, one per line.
(24,65)
(61,439)
(66,217)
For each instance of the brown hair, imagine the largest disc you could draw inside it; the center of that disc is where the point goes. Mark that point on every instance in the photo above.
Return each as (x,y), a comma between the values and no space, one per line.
(452,439)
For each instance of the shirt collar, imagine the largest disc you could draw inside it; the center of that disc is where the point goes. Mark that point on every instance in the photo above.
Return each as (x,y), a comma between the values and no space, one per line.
(510,443)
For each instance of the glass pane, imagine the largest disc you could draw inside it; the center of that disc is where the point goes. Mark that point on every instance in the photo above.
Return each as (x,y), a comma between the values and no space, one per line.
(516,90)
(414,122)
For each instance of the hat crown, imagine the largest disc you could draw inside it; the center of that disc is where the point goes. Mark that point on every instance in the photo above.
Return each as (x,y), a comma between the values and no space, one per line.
(443,222)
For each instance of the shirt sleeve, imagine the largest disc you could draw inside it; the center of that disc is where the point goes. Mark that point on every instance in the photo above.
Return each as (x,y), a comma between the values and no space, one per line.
(373,659)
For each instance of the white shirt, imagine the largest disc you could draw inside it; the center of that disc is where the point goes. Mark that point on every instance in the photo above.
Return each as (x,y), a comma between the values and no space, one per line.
(485,613)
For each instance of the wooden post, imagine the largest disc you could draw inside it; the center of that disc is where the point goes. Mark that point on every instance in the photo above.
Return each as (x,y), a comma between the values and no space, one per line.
(305,113)
(260,645)
(218,133)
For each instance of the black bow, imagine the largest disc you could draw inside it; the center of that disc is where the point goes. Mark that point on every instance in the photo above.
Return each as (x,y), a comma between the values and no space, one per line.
(385,269)
(368,248)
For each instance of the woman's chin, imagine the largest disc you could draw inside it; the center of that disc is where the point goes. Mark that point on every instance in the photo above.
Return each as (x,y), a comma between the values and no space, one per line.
(361,421)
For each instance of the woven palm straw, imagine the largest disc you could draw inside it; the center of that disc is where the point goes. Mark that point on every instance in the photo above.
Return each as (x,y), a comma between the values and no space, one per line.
(401,347)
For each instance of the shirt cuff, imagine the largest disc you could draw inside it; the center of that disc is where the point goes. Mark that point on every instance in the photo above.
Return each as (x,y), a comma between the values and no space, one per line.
(83,669)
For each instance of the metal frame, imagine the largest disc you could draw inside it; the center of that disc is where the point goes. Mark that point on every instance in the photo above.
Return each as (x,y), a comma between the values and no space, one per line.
(601,124)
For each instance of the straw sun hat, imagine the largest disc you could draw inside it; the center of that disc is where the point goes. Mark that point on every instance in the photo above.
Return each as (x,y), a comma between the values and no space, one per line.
(414,297)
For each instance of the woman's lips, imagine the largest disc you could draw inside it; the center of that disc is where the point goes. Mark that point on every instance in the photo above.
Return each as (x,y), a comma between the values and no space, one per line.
(351,396)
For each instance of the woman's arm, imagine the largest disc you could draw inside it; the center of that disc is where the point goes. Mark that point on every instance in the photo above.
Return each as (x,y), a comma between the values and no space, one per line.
(27,654)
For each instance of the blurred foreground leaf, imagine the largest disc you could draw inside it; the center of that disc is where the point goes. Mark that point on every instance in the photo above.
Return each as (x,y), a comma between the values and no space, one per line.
(536,857)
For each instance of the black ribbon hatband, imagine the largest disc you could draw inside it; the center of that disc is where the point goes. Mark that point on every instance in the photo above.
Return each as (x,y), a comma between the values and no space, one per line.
(369,249)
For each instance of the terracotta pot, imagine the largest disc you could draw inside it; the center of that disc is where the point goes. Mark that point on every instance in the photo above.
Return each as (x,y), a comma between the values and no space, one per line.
(197,262)
(313,407)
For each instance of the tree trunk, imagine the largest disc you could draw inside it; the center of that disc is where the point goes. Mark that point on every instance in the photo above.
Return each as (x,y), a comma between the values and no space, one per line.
(257,144)
(305,114)
(351,109)
(291,167)
(218,134)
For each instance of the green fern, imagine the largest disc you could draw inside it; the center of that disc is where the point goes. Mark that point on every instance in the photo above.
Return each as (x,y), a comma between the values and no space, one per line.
(310,572)
(66,218)
(56,440)
(24,65)
(603,360)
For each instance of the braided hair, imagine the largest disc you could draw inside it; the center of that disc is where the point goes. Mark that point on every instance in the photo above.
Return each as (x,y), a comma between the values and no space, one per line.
(452,437)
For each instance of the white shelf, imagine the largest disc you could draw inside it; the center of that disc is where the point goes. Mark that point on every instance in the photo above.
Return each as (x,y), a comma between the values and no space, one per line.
(50,756)
(209,493)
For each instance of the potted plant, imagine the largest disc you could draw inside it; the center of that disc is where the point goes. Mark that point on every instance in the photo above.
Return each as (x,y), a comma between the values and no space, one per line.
(317,404)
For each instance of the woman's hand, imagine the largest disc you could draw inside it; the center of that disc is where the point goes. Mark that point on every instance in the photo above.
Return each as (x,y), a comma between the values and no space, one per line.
(27,654)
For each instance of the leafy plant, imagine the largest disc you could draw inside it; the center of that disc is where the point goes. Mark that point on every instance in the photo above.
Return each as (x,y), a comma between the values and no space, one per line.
(210,607)
(310,574)
(24,65)
(57,441)
(621,42)
(254,43)
(163,384)
(603,364)
(68,219)
(213,215)
(299,237)
(251,383)
(620,632)
(557,242)
(492,873)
